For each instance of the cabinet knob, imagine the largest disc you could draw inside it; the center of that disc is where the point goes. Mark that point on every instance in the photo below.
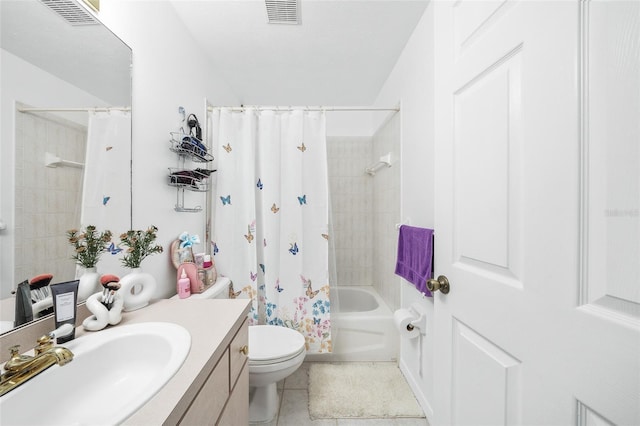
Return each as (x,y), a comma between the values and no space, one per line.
(244,350)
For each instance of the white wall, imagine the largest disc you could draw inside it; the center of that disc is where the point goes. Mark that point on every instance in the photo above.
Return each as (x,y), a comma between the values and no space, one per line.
(411,82)
(167,73)
(42,90)
(349,123)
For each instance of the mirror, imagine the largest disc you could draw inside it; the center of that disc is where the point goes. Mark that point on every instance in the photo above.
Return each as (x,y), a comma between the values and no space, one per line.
(67,70)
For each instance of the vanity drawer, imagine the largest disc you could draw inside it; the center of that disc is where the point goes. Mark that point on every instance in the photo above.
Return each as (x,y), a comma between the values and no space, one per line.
(208,404)
(237,353)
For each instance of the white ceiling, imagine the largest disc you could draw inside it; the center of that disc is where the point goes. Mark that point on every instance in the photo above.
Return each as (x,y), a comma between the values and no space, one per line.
(89,57)
(341,53)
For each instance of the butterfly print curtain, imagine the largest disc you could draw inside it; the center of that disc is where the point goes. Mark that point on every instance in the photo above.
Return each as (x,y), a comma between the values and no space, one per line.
(105,189)
(271,217)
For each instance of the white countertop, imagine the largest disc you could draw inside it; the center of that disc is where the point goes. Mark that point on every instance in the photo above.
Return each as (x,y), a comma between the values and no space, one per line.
(209,322)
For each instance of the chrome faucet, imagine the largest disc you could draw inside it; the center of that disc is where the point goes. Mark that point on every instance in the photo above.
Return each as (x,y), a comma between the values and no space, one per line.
(21,368)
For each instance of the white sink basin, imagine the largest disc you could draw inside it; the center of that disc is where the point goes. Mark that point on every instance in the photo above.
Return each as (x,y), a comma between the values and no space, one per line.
(113,373)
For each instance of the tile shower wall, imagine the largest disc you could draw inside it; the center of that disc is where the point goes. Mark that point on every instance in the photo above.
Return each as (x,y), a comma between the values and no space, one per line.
(47,199)
(365,209)
(351,204)
(386,212)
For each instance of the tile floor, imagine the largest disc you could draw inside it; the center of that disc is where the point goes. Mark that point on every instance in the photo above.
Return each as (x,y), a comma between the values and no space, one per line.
(294,407)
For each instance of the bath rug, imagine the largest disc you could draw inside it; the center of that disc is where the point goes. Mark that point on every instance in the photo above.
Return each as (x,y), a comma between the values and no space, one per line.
(360,389)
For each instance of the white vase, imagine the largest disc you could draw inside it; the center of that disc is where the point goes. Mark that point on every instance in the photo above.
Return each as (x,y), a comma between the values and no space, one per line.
(89,284)
(101,315)
(137,289)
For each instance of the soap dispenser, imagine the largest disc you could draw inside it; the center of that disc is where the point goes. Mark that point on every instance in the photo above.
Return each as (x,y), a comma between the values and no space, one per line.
(184,285)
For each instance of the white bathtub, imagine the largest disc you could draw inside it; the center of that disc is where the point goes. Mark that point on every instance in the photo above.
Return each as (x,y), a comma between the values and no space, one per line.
(362,329)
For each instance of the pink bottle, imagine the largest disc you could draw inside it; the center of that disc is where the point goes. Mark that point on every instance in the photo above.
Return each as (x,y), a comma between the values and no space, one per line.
(184,286)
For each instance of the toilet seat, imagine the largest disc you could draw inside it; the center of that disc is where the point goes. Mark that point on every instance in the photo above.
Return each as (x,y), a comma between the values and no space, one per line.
(271,344)
(253,362)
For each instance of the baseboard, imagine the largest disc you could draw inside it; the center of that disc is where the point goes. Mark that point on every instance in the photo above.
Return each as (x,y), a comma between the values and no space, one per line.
(417,391)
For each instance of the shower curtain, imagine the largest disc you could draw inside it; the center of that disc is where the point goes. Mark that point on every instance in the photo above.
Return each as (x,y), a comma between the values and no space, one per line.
(106,199)
(271,217)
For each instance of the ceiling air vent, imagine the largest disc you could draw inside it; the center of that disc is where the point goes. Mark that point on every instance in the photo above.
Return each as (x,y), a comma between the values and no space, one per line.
(283,11)
(71,11)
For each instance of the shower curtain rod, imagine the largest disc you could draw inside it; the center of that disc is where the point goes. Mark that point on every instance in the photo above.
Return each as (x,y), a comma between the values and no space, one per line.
(306,108)
(89,109)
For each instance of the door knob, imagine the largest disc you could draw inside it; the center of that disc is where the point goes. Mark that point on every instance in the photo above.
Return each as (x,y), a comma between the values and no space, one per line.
(442,284)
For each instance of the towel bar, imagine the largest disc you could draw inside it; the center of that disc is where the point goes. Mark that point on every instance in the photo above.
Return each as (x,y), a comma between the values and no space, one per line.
(385,160)
(52,160)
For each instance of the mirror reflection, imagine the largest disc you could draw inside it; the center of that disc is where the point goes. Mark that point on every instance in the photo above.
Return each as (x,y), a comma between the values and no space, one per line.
(66,144)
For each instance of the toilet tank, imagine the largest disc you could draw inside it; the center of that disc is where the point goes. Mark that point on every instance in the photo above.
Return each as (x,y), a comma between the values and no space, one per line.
(219,290)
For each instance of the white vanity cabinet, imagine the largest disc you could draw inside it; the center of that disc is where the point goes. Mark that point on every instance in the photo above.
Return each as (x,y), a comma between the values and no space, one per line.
(224,397)
(212,385)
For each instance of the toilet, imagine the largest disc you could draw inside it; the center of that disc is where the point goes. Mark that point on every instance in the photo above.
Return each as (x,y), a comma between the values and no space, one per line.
(274,354)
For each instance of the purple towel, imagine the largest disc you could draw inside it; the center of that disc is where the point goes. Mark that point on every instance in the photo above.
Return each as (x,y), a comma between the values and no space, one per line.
(415,255)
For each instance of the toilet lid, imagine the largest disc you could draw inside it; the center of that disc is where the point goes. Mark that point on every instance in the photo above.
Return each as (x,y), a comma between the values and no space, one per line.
(269,342)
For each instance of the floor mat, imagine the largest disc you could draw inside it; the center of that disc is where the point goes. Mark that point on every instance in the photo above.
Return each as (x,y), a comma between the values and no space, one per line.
(360,389)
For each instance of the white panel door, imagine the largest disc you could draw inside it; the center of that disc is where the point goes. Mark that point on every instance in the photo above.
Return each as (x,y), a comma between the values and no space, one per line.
(537,213)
